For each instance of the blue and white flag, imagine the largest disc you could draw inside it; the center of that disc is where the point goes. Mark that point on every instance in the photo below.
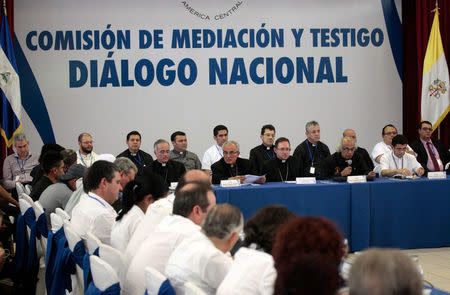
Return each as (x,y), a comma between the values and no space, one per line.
(10,87)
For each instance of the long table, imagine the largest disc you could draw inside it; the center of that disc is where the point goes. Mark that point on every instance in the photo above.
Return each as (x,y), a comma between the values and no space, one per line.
(412,213)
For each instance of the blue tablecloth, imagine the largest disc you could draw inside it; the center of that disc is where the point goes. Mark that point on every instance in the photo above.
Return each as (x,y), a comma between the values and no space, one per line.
(385,213)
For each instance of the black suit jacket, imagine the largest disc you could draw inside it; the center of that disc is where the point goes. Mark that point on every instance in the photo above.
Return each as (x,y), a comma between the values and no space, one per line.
(141,160)
(172,172)
(259,155)
(221,170)
(422,156)
(276,171)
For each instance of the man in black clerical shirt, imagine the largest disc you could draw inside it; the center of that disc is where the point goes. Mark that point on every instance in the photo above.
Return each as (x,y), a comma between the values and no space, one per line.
(431,153)
(264,151)
(231,166)
(169,170)
(345,161)
(284,167)
(312,151)
(364,155)
(140,158)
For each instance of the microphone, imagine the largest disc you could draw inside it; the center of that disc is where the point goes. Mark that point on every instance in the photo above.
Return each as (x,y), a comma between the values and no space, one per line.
(349,162)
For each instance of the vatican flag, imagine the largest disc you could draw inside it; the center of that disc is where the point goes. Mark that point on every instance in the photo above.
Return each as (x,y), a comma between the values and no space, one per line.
(435,81)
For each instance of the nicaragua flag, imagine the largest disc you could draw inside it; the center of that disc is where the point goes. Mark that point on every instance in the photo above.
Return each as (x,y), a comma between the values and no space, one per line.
(435,102)
(10,86)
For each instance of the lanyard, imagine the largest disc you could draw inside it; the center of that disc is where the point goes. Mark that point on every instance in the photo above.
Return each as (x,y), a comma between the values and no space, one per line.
(84,163)
(270,157)
(23,164)
(392,154)
(138,159)
(311,155)
(96,200)
(219,151)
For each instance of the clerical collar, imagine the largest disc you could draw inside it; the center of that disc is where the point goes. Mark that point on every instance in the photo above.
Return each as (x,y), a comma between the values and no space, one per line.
(267,148)
(163,164)
(313,144)
(283,161)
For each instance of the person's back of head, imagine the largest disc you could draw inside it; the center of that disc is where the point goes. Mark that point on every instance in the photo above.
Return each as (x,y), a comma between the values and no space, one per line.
(261,228)
(384,272)
(99,170)
(193,176)
(50,160)
(298,243)
(189,196)
(222,221)
(49,147)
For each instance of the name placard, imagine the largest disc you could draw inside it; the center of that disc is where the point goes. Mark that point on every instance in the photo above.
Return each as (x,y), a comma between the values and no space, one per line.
(230,183)
(356,179)
(305,180)
(437,175)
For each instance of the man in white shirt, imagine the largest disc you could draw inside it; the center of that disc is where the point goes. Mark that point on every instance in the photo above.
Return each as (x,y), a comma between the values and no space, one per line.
(158,210)
(202,259)
(94,212)
(398,161)
(192,203)
(388,132)
(214,153)
(85,155)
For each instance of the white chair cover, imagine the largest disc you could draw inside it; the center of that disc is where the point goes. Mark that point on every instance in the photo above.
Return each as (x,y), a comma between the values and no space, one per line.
(56,221)
(72,239)
(20,188)
(115,258)
(28,189)
(26,197)
(63,214)
(153,280)
(103,274)
(92,242)
(191,289)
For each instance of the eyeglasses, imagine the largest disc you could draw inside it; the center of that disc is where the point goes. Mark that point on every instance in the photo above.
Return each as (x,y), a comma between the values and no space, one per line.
(427,129)
(164,152)
(348,150)
(269,135)
(231,153)
(87,142)
(284,149)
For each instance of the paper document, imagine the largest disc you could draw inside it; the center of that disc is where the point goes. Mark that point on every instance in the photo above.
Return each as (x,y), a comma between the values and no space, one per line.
(252,178)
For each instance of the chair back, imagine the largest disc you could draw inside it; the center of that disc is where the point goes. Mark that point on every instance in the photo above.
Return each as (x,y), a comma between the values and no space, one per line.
(63,214)
(103,275)
(56,221)
(41,228)
(115,258)
(20,188)
(28,189)
(73,238)
(24,205)
(154,281)
(192,289)
(26,197)
(93,243)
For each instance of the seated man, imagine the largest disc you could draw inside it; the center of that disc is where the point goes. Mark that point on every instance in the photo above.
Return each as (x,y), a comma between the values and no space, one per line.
(86,155)
(387,272)
(94,212)
(345,161)
(53,168)
(140,158)
(263,152)
(57,194)
(202,259)
(385,147)
(284,167)
(158,210)
(17,167)
(168,169)
(214,153)
(431,153)
(398,162)
(359,150)
(230,166)
(312,151)
(192,203)
(181,154)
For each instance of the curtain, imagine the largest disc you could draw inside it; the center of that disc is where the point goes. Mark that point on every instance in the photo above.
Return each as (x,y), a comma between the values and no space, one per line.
(417,20)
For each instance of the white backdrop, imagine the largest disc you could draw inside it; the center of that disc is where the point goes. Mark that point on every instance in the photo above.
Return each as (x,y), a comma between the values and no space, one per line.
(369,99)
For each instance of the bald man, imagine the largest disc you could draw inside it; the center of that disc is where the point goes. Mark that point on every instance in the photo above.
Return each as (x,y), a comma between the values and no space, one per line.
(363,154)
(160,209)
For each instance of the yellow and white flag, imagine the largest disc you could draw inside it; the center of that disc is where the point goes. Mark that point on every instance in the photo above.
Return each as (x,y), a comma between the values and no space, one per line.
(435,81)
